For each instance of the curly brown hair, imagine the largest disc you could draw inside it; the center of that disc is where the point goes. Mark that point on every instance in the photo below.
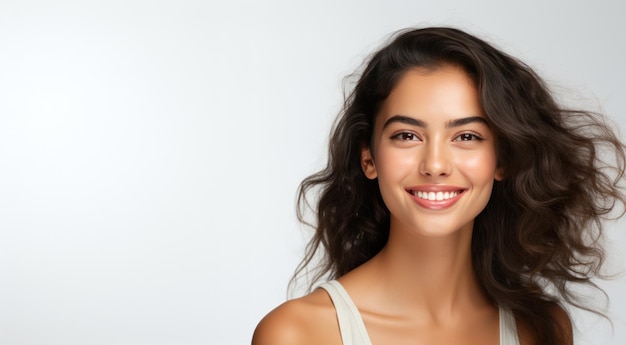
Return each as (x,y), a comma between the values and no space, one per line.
(542,224)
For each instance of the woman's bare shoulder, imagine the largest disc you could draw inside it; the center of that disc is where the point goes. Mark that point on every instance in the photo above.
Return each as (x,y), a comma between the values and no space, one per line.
(307,320)
(563,322)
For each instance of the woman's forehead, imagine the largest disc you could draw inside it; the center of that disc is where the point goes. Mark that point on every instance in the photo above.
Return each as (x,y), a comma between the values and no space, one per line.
(432,96)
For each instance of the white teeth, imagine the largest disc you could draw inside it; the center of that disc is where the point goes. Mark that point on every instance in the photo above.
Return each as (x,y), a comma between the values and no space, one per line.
(438,196)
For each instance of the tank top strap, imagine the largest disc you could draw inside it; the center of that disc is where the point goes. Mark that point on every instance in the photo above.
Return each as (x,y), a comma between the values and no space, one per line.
(508,328)
(351,324)
(353,330)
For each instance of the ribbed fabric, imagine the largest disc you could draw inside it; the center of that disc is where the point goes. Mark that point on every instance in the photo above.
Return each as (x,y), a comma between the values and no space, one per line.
(508,328)
(353,330)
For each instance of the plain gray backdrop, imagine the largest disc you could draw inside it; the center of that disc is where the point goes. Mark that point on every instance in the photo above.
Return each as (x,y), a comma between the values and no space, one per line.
(150,151)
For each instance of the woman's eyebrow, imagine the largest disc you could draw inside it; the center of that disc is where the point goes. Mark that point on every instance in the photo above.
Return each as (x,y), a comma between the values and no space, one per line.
(419,123)
(406,120)
(465,121)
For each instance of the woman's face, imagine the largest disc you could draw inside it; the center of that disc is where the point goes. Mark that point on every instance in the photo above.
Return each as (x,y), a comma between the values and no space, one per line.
(432,152)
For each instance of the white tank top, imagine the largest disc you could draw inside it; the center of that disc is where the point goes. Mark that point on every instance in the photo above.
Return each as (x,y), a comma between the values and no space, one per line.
(353,330)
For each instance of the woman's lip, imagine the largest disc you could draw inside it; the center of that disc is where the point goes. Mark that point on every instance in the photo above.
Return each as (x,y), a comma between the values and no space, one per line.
(435,188)
(436,204)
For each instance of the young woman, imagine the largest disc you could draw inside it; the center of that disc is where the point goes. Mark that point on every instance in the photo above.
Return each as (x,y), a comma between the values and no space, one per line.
(456,195)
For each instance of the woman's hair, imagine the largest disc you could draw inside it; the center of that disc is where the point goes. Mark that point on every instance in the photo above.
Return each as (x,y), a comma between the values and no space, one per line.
(563,171)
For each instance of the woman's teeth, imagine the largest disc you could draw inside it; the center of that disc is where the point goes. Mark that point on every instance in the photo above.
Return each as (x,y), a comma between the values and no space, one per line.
(435,196)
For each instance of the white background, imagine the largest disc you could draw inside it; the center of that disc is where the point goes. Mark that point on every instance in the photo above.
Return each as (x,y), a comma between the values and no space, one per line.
(150,150)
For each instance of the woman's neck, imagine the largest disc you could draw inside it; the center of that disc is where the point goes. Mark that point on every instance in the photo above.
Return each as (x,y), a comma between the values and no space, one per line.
(425,274)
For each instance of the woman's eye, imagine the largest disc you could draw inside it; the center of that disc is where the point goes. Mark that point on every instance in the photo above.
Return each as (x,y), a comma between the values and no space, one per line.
(405,136)
(467,137)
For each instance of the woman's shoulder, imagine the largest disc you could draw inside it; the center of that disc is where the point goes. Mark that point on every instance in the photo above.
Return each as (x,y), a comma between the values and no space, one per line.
(306,320)
(562,322)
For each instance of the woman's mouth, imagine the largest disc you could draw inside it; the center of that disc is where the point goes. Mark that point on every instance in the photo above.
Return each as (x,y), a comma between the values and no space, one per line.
(432,196)
(436,198)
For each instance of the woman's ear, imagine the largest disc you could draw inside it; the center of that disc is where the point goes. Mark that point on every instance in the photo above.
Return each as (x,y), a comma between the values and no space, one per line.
(499,174)
(367,163)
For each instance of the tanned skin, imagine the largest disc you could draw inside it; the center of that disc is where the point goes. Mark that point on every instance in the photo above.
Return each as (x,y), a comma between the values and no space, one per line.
(430,135)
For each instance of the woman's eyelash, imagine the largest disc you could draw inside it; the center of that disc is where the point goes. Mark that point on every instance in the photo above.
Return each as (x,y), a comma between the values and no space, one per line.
(405,136)
(408,136)
(468,137)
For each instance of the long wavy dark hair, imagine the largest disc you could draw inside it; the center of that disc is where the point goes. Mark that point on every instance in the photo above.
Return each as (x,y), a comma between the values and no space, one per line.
(564,173)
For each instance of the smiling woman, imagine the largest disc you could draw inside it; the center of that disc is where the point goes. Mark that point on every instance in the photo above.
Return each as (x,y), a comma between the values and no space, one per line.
(441,145)
(456,195)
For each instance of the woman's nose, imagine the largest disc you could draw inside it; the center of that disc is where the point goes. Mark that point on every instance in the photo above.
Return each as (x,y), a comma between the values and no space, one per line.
(435,160)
